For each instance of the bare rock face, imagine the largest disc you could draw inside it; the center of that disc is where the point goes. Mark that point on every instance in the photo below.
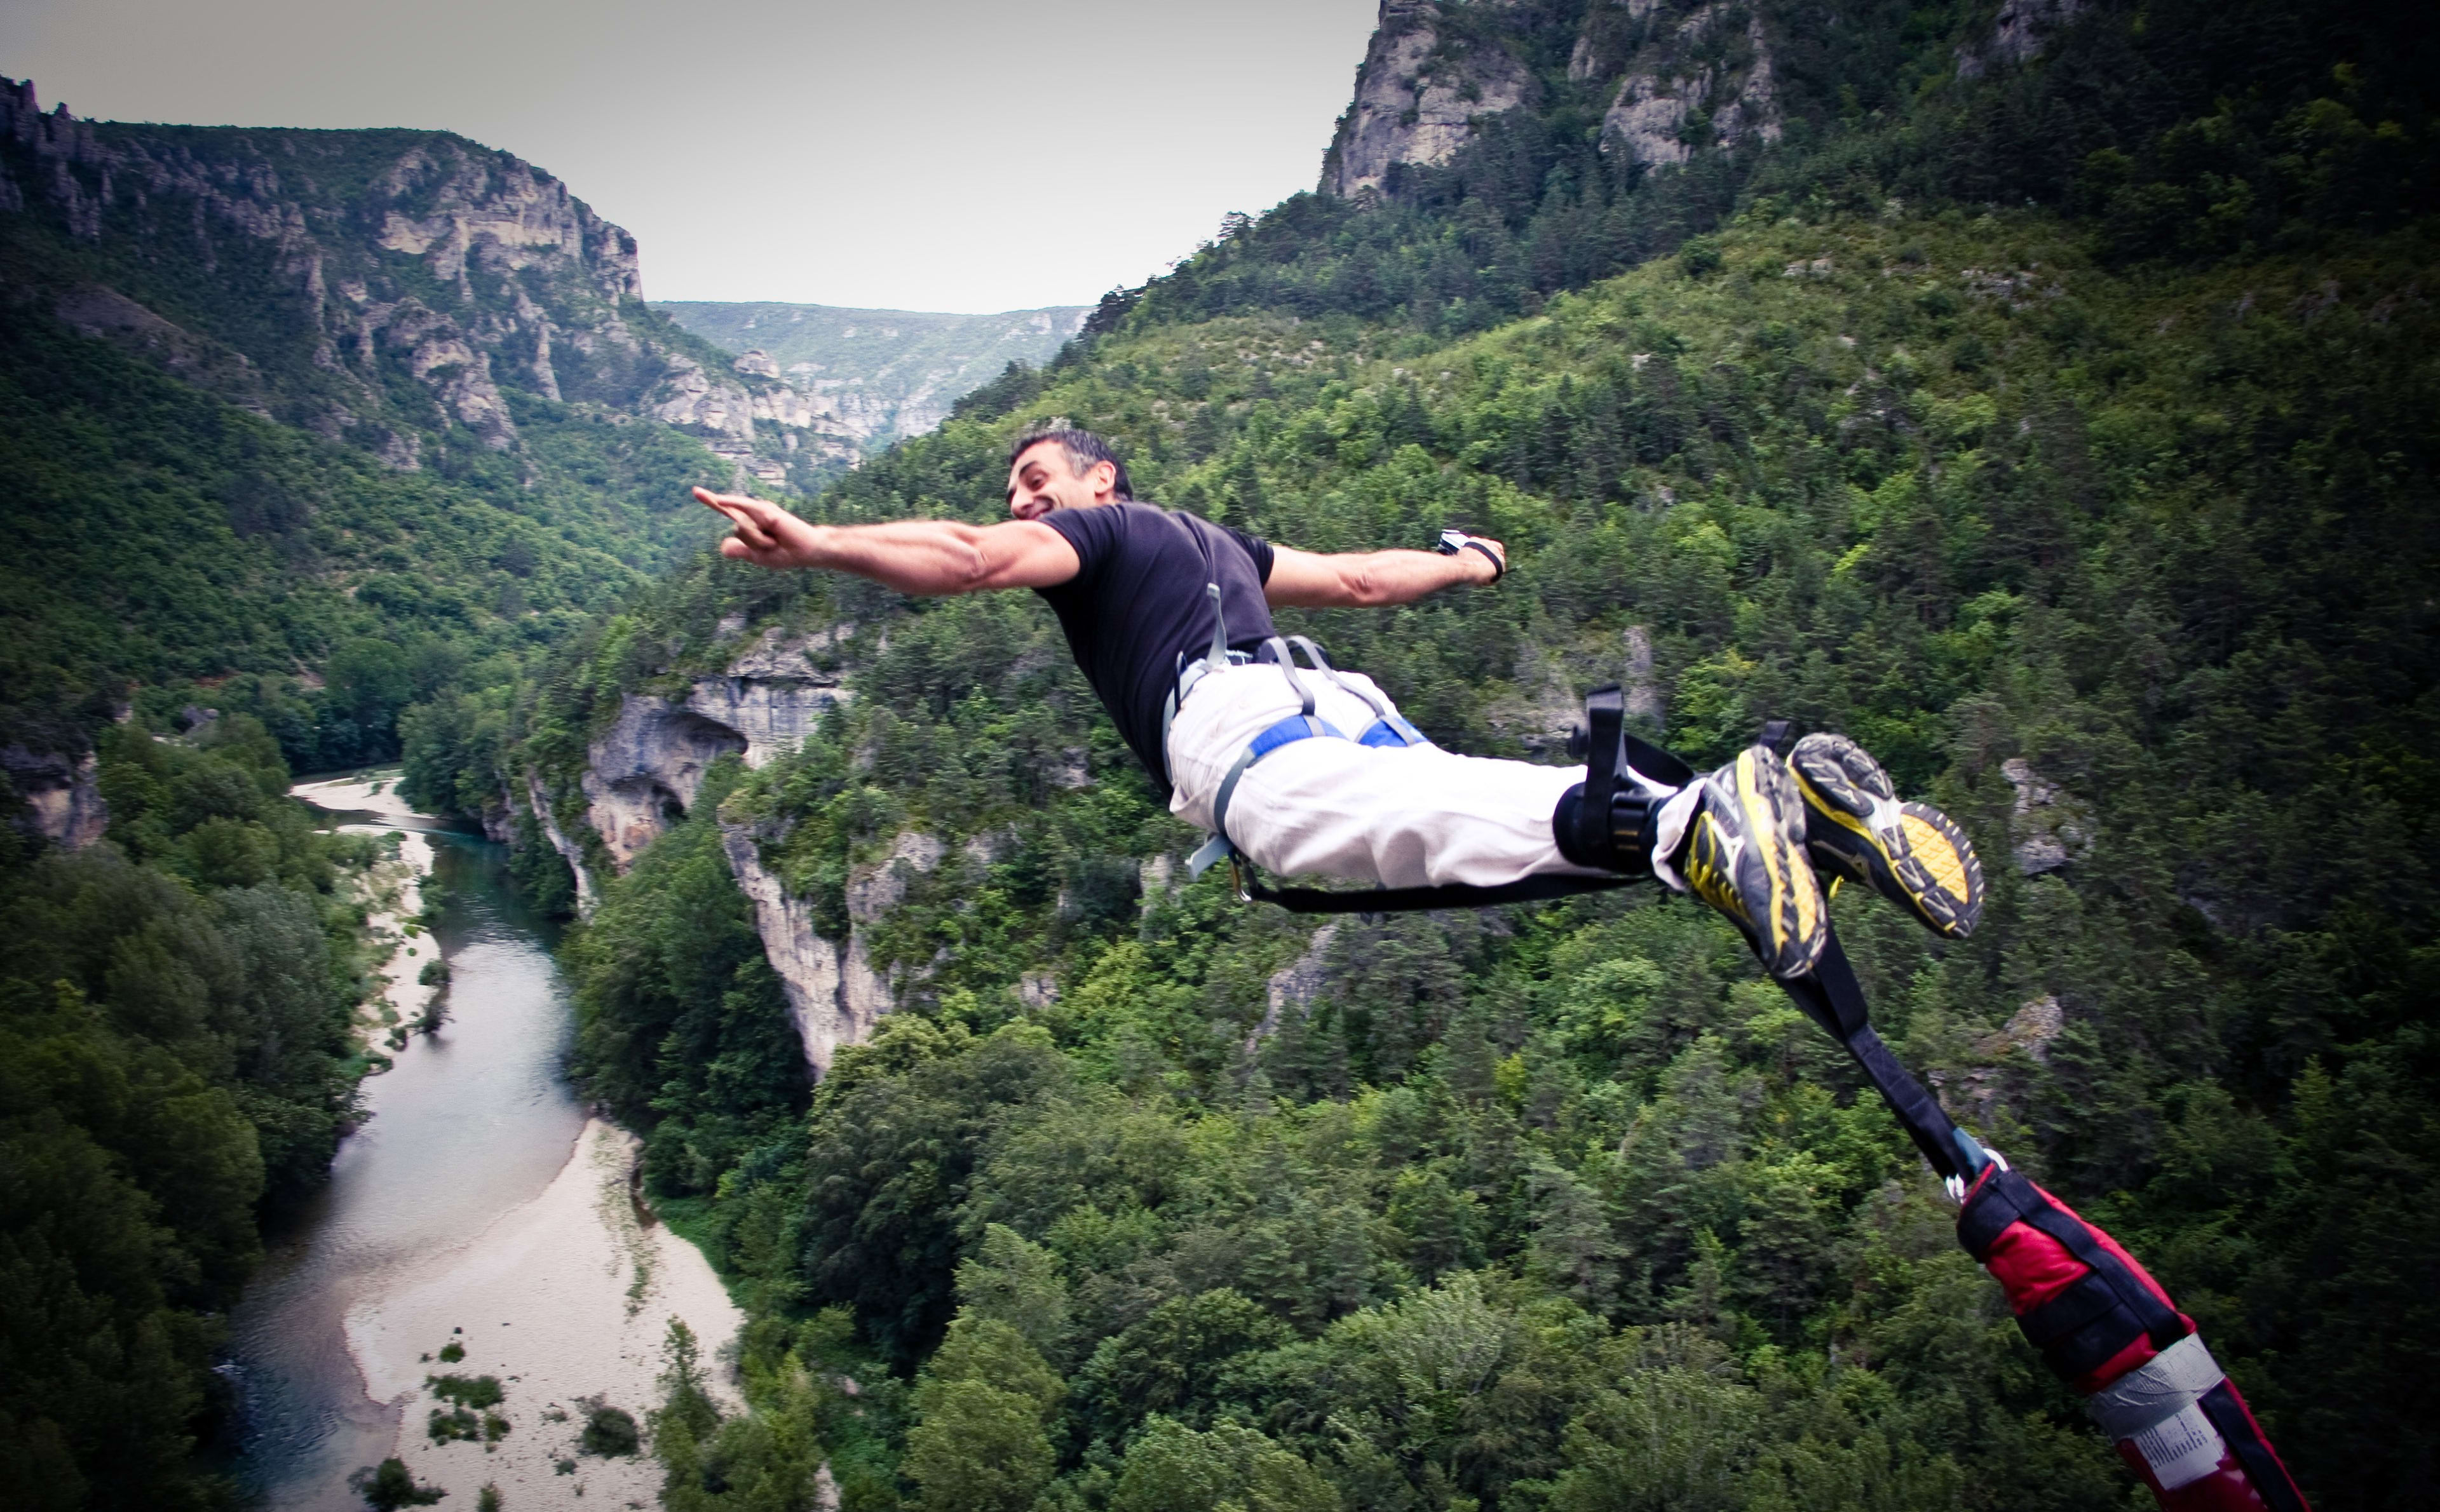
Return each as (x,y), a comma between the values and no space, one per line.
(1293,986)
(62,792)
(1422,86)
(1688,77)
(2050,827)
(836,997)
(642,773)
(409,263)
(807,965)
(876,887)
(2019,35)
(588,896)
(773,694)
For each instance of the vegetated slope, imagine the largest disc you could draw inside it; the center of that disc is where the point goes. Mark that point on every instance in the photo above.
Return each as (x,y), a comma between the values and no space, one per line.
(308,407)
(2109,525)
(886,374)
(2028,528)
(175,1059)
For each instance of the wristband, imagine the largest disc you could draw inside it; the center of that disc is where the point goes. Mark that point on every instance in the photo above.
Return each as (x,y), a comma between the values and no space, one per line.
(1453,542)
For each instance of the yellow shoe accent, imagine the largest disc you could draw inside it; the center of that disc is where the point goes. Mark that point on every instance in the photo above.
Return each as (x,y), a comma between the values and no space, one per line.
(1744,855)
(1910,853)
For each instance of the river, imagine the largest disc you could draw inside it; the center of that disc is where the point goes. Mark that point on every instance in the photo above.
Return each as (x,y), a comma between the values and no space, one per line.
(477,1197)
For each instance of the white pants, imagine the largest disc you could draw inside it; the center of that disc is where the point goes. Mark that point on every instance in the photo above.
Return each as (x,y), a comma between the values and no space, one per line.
(1394,816)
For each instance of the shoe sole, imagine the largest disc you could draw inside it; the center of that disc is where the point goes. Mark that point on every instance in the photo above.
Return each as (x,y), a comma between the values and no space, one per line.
(1919,857)
(1772,805)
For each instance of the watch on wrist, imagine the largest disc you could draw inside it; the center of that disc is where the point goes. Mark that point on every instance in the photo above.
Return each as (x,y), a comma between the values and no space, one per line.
(1453,542)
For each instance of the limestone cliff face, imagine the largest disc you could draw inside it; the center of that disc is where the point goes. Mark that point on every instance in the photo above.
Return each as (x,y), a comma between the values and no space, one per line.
(643,773)
(875,376)
(834,996)
(807,965)
(587,896)
(2022,29)
(774,694)
(63,799)
(414,277)
(1688,77)
(1676,76)
(1432,69)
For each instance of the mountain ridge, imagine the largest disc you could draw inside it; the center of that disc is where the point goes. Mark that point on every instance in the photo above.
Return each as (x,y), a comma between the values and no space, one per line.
(883,374)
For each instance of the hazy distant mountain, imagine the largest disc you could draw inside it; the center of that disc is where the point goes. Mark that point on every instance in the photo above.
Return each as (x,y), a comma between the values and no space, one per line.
(883,373)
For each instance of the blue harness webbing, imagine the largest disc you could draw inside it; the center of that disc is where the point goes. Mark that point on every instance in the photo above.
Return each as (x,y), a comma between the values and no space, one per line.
(1389,727)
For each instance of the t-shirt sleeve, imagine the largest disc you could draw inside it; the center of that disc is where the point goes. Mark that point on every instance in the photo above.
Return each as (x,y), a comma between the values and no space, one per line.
(1094,533)
(1257,549)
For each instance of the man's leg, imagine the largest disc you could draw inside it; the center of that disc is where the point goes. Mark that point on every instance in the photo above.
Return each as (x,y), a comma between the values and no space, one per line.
(1745,839)
(1412,816)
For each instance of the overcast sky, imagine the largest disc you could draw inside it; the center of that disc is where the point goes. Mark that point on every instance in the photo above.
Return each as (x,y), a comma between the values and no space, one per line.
(929,154)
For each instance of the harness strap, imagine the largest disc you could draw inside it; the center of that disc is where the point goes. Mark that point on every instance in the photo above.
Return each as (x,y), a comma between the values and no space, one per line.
(1413,899)
(1287,732)
(1276,650)
(1389,727)
(1832,997)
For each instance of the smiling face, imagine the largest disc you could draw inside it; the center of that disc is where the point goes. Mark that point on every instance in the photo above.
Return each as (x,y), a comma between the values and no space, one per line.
(1043,478)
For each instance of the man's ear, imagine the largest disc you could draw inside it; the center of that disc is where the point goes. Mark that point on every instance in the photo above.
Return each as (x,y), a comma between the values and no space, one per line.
(1102,477)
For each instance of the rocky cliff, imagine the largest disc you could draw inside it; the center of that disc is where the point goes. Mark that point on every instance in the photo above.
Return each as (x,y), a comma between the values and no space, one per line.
(1672,78)
(645,770)
(390,288)
(880,374)
(1431,71)
(61,793)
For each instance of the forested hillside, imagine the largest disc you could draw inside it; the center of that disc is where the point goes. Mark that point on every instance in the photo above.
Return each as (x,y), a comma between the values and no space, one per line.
(2049,403)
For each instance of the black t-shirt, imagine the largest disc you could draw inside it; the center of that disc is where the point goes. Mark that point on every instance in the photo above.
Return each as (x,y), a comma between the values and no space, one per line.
(1139,599)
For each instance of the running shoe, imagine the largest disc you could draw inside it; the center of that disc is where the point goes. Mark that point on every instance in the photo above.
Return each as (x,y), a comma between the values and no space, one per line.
(1909,853)
(1744,854)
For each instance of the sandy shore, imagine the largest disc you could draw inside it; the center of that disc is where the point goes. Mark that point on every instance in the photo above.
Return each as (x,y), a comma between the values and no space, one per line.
(396,890)
(365,792)
(566,1297)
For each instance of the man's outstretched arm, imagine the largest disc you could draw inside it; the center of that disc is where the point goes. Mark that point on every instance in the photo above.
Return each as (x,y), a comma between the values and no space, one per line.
(928,557)
(1371,580)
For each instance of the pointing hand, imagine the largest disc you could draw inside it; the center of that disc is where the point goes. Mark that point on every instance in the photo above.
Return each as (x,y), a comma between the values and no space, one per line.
(767,535)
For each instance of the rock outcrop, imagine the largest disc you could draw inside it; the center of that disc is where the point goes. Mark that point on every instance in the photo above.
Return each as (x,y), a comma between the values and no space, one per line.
(774,695)
(588,896)
(1678,78)
(834,996)
(61,795)
(643,773)
(1702,77)
(2017,36)
(1293,986)
(2050,827)
(806,964)
(875,376)
(1423,84)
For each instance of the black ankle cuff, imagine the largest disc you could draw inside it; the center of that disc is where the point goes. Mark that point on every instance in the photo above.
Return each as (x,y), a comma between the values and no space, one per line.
(1624,845)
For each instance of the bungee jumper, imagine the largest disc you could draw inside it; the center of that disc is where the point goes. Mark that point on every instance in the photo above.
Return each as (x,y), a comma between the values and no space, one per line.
(1311,771)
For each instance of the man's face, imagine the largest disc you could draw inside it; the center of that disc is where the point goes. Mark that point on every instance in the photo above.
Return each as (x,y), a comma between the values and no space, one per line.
(1041,479)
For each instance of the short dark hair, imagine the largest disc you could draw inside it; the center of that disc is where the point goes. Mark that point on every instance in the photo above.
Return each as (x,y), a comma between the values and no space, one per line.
(1084,449)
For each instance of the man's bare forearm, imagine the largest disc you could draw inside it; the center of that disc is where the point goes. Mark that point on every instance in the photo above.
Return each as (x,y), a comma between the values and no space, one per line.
(922,557)
(1379,578)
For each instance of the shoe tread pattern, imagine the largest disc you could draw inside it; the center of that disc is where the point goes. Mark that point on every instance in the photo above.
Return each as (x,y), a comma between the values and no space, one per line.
(1911,852)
